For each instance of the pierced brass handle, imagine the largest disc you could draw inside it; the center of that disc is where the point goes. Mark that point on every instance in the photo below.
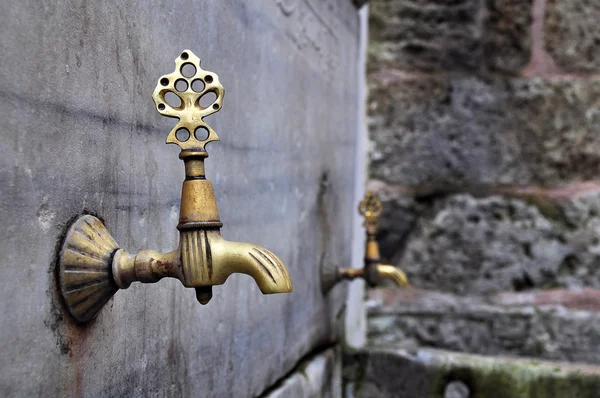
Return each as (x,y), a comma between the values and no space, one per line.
(373,271)
(92,266)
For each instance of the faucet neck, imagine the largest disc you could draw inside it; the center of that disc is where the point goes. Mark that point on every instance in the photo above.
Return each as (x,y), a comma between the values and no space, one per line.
(372,250)
(198,205)
(194,164)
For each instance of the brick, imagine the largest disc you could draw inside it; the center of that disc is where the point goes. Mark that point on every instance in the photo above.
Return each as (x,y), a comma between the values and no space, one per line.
(572,34)
(438,133)
(583,299)
(506,42)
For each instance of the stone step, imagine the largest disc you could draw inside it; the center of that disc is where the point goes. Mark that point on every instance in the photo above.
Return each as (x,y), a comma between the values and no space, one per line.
(390,371)
(552,325)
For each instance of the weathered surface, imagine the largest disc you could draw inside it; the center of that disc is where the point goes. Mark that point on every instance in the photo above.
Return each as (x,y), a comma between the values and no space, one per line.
(380,372)
(573,34)
(465,35)
(317,377)
(496,325)
(469,245)
(355,322)
(80,132)
(433,133)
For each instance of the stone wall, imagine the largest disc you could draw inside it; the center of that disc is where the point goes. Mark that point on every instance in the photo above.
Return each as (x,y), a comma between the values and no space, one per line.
(484,127)
(484,141)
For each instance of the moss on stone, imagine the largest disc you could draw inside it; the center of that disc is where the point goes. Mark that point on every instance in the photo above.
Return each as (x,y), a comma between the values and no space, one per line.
(515,378)
(426,373)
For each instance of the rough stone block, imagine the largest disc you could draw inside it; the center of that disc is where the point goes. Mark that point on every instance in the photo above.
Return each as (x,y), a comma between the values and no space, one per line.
(572,34)
(460,35)
(470,245)
(506,39)
(440,133)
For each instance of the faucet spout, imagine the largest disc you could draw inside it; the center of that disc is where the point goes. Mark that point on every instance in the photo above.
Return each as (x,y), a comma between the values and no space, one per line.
(266,268)
(392,273)
(207,260)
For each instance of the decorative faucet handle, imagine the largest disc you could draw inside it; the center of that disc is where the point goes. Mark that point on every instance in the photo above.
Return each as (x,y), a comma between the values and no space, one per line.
(370,208)
(178,95)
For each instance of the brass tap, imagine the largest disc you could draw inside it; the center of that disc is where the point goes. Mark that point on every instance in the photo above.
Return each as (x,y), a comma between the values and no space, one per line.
(373,271)
(91,265)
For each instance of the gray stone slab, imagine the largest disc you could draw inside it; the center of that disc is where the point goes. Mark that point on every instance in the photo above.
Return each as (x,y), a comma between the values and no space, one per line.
(316,377)
(483,326)
(393,372)
(79,133)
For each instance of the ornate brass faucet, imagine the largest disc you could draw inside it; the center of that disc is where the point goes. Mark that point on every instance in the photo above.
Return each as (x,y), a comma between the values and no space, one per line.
(92,266)
(373,271)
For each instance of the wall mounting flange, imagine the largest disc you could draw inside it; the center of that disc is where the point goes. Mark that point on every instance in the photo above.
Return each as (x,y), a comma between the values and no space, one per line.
(85,267)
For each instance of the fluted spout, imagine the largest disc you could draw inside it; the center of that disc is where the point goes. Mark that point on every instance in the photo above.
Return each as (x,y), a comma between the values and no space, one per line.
(207,259)
(266,268)
(392,273)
